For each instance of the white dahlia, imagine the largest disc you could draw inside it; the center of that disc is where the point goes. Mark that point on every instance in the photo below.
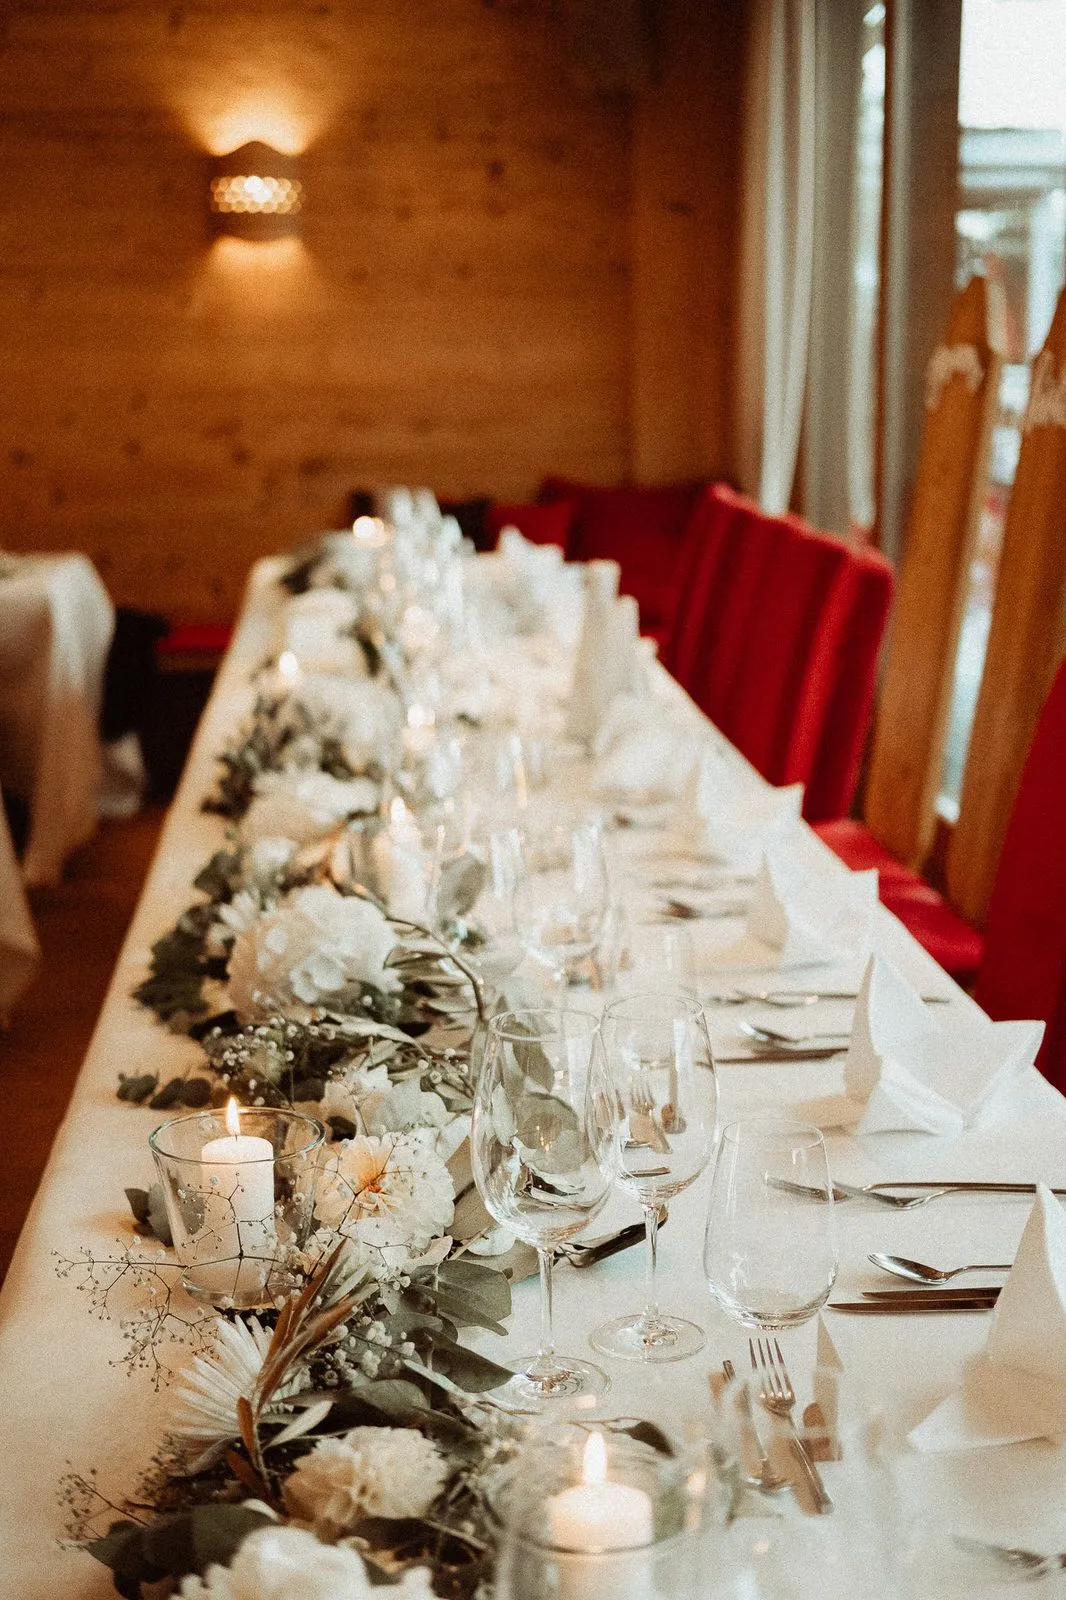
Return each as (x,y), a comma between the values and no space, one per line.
(370,1472)
(385,1192)
(302,806)
(305,952)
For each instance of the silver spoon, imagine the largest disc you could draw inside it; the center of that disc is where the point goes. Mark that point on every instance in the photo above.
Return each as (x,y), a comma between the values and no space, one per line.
(755,1030)
(919,1272)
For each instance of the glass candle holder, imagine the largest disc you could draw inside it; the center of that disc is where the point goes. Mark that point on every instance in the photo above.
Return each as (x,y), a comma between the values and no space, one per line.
(239,1188)
(593,1513)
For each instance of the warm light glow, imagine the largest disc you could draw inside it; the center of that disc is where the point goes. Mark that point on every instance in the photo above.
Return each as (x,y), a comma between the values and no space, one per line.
(254,194)
(288,666)
(421,717)
(398,813)
(233,1118)
(279,126)
(594,1461)
(368,531)
(270,255)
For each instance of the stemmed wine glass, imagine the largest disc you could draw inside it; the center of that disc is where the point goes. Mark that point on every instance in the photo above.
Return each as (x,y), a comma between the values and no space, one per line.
(562,896)
(770,1252)
(541,1147)
(665,1095)
(473,903)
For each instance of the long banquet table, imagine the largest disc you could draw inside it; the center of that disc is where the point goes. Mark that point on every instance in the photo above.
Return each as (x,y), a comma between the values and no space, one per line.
(63,1401)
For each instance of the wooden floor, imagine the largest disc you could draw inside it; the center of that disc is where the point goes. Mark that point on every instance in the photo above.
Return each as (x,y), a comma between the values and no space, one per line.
(81,925)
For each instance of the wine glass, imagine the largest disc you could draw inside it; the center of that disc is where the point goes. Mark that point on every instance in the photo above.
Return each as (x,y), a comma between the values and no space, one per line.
(541,1154)
(770,1253)
(562,896)
(665,1096)
(473,903)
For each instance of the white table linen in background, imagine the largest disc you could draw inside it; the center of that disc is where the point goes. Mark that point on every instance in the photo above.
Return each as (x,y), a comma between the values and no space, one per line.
(19,950)
(62,1402)
(56,623)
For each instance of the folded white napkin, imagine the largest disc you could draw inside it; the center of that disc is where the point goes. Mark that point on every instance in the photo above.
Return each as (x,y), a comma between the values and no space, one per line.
(720,818)
(639,752)
(311,626)
(796,920)
(1016,1388)
(609,660)
(531,578)
(902,1072)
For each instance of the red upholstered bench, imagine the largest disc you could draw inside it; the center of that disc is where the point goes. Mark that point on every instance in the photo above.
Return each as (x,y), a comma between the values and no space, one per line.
(193,646)
(540,524)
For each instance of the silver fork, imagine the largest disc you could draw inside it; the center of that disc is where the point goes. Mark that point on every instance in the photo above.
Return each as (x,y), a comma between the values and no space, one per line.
(850,1191)
(763,1476)
(779,1398)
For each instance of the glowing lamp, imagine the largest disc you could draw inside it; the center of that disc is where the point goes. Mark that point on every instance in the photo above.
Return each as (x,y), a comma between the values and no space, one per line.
(256,193)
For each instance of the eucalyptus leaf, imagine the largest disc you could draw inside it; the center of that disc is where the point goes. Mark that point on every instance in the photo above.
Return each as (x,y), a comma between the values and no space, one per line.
(542,1119)
(136,1087)
(461,882)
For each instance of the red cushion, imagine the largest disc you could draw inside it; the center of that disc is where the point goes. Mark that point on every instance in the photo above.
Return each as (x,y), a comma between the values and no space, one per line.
(835,770)
(857,847)
(938,929)
(196,638)
(1024,970)
(642,529)
(541,524)
(748,543)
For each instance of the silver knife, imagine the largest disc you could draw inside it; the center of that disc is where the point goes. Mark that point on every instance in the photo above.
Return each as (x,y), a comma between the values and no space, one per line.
(780,1055)
(906,1303)
(881,1191)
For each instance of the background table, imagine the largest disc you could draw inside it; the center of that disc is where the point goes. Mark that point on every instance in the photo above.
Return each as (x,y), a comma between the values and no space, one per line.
(61,1402)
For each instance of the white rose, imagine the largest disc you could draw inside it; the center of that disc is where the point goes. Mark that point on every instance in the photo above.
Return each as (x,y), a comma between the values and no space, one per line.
(306,952)
(386,1192)
(375,1472)
(366,716)
(302,806)
(283,1563)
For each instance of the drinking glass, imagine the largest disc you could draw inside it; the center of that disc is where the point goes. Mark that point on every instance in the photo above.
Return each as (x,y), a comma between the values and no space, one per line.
(541,1153)
(473,903)
(665,1099)
(770,1253)
(562,896)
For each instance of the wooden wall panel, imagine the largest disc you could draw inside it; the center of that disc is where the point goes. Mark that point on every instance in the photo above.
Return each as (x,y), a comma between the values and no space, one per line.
(458,311)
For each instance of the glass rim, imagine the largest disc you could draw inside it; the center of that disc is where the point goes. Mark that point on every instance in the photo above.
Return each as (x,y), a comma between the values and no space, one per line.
(670,996)
(772,1125)
(312,1143)
(513,1036)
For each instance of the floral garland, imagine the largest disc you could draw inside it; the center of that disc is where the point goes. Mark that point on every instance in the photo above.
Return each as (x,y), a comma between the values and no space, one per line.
(342,1438)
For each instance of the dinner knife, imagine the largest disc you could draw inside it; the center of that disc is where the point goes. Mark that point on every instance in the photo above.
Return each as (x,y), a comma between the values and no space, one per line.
(906,1302)
(784,1054)
(875,1191)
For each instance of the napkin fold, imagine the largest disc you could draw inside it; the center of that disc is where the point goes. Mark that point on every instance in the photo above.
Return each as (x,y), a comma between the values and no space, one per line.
(1015,1389)
(638,752)
(530,578)
(796,920)
(608,660)
(720,818)
(903,1073)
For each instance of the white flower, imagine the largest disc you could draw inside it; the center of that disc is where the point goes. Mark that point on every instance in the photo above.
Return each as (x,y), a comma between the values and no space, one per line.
(389,1191)
(365,716)
(302,806)
(402,1107)
(208,1393)
(283,1563)
(370,1472)
(305,952)
(266,861)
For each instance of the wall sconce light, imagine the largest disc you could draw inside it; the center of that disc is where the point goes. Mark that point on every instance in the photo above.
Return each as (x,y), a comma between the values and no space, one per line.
(256,193)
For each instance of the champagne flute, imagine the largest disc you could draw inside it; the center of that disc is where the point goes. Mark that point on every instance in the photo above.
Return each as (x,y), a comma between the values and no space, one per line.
(562,896)
(541,1152)
(665,1095)
(770,1254)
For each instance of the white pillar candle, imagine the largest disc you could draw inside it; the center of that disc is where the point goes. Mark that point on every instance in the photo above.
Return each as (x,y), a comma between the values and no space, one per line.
(597,1517)
(401,865)
(238,1236)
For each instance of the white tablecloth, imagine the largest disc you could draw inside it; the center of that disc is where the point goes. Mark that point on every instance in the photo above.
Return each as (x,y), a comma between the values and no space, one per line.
(56,622)
(19,950)
(61,1402)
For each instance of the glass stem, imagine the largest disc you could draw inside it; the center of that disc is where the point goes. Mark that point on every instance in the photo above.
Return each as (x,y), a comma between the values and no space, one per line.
(545,1362)
(651,1236)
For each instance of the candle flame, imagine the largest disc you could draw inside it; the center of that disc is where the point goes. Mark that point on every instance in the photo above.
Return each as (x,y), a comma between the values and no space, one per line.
(233,1117)
(368,530)
(398,811)
(288,666)
(594,1461)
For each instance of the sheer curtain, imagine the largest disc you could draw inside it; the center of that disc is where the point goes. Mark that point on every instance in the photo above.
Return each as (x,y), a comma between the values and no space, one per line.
(778,246)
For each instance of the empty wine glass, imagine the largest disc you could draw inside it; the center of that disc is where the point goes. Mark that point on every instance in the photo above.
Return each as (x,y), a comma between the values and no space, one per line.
(473,903)
(658,1057)
(770,1253)
(541,1148)
(562,896)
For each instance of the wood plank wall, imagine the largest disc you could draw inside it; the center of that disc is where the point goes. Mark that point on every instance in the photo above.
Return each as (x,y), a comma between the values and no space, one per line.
(458,312)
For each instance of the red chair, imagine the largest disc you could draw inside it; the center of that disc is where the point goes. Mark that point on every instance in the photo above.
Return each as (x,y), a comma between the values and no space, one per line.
(701,566)
(643,529)
(749,540)
(835,771)
(540,524)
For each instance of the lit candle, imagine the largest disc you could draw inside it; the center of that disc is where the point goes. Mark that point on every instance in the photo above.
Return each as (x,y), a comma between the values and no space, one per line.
(369,532)
(238,1236)
(400,864)
(420,732)
(596,1515)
